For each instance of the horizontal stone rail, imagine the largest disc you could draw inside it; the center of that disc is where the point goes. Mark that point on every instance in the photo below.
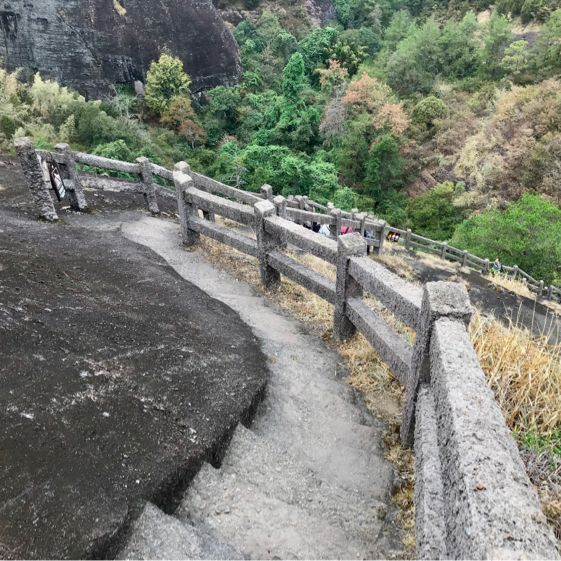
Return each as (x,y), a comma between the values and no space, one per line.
(300,209)
(473,497)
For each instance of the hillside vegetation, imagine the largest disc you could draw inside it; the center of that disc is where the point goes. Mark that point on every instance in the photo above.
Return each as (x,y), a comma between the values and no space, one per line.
(443,117)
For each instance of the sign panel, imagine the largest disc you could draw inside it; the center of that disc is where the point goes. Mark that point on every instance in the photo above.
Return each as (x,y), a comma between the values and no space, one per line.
(56,180)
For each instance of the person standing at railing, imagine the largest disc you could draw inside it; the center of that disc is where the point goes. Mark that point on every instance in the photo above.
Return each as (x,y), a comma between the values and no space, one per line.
(497,266)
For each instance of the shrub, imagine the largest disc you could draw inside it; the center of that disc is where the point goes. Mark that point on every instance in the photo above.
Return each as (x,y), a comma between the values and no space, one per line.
(433,213)
(166,79)
(526,234)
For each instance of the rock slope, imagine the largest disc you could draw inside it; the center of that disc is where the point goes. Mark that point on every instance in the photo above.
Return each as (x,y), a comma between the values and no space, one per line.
(90,45)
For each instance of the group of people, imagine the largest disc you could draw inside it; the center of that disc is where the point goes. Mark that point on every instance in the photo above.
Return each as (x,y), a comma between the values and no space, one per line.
(325,230)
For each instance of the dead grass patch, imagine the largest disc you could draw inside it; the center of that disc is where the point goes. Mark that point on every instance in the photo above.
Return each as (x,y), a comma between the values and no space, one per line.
(524,372)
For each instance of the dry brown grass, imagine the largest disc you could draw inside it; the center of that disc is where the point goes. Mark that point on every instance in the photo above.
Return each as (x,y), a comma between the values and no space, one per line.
(524,372)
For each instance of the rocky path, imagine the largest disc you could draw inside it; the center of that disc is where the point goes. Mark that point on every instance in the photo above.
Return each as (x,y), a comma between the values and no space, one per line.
(307,480)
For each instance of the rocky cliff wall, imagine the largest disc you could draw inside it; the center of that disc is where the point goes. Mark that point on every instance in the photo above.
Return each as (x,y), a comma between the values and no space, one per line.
(91,44)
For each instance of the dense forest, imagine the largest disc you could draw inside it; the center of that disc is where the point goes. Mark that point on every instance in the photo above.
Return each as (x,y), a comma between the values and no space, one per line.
(444,117)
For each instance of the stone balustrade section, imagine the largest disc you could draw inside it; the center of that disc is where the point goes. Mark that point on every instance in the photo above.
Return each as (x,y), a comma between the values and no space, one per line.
(473,496)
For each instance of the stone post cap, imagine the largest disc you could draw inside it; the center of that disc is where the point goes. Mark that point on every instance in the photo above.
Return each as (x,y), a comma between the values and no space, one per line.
(62,146)
(183,167)
(448,299)
(23,142)
(264,208)
(279,200)
(181,179)
(142,160)
(351,244)
(335,212)
(266,188)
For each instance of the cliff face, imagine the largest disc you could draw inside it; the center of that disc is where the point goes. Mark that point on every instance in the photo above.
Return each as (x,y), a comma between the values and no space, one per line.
(91,44)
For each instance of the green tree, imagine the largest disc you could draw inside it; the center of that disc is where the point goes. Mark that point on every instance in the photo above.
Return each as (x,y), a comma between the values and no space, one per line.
(414,65)
(316,48)
(165,80)
(384,167)
(497,38)
(433,213)
(526,234)
(294,79)
(459,48)
(546,54)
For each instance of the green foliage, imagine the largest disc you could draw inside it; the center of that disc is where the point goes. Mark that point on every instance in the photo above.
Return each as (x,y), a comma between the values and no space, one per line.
(427,111)
(460,55)
(116,150)
(294,79)
(414,65)
(526,234)
(433,214)
(165,80)
(497,39)
(546,54)
(316,48)
(384,167)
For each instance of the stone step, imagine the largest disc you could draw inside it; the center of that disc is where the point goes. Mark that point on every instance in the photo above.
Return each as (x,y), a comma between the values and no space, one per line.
(275,473)
(342,452)
(155,535)
(265,527)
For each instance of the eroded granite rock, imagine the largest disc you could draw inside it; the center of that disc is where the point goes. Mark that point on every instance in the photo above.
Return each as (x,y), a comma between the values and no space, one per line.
(91,44)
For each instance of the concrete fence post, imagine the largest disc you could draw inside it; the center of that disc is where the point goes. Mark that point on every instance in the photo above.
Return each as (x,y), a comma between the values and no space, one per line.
(550,292)
(335,227)
(540,289)
(515,272)
(186,210)
(381,238)
(354,212)
(35,181)
(267,192)
(75,190)
(487,265)
(148,186)
(265,244)
(443,250)
(280,204)
(408,238)
(464,257)
(362,218)
(348,245)
(440,300)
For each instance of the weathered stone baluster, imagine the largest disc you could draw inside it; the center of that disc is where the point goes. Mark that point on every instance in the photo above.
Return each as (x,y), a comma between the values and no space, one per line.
(335,226)
(186,210)
(348,245)
(440,299)
(75,190)
(265,244)
(267,192)
(35,181)
(148,186)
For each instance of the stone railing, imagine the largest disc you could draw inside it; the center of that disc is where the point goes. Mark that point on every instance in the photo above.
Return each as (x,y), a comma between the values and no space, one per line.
(473,497)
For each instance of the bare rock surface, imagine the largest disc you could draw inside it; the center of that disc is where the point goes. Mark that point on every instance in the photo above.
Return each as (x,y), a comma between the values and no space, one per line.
(119,380)
(90,45)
